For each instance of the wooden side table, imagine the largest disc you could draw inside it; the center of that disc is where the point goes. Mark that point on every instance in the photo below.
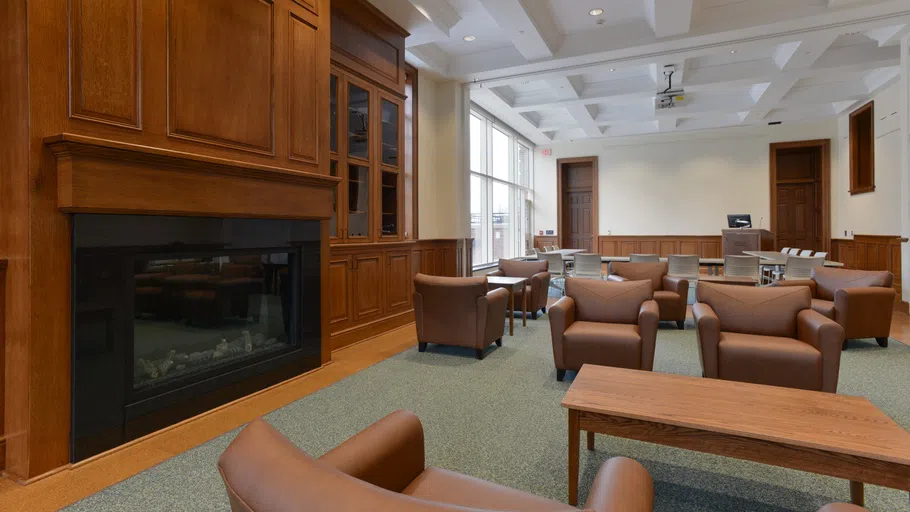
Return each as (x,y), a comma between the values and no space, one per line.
(512,284)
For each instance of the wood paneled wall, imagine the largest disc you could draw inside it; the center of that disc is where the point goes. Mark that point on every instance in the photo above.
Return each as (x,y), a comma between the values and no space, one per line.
(371,285)
(871,252)
(540,241)
(619,245)
(243,81)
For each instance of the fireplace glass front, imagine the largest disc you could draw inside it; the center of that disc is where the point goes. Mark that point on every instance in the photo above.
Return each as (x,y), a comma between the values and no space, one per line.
(173,316)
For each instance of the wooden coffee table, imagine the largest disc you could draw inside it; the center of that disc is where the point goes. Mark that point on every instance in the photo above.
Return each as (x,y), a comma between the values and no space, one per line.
(835,435)
(511,284)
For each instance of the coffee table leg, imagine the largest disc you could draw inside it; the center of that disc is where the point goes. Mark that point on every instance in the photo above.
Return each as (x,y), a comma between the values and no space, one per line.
(591,441)
(857,493)
(511,311)
(574,441)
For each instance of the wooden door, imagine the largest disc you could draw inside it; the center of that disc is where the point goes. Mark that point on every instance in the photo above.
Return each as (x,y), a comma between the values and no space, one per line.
(577,208)
(398,281)
(339,292)
(580,234)
(367,286)
(796,215)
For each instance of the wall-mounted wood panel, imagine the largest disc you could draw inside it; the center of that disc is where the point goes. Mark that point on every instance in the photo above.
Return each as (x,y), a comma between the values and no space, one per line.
(366,41)
(221,72)
(339,298)
(311,5)
(871,252)
(664,245)
(541,241)
(304,95)
(398,281)
(105,61)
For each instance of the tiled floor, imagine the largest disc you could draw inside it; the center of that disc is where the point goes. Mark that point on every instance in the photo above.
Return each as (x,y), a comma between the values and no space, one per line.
(86,478)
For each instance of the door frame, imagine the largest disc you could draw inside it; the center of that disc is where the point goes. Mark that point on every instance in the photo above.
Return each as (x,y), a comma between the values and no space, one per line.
(560,183)
(824,190)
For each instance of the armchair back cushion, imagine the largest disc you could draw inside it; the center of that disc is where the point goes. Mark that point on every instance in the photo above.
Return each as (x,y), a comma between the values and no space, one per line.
(608,302)
(829,280)
(653,272)
(769,311)
(514,268)
(447,309)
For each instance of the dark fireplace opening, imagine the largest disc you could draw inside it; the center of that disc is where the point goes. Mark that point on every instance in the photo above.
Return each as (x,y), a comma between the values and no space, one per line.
(173,316)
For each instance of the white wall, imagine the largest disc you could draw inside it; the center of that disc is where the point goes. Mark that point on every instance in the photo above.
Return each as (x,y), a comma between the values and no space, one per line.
(676,184)
(878,212)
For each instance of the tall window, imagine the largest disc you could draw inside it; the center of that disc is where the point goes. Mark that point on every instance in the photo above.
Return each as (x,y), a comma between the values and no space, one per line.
(500,191)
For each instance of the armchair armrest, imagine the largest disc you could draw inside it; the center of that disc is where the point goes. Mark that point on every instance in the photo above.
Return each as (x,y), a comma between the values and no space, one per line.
(562,316)
(388,453)
(827,336)
(648,320)
(491,309)
(864,312)
(539,281)
(707,328)
(622,485)
(676,284)
(616,277)
(813,287)
(497,273)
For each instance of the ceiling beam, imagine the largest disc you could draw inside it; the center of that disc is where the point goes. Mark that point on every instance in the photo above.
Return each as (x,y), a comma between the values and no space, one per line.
(442,15)
(889,35)
(805,53)
(528,25)
(669,17)
(584,115)
(566,88)
(494,101)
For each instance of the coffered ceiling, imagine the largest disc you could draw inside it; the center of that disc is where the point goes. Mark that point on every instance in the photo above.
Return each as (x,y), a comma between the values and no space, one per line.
(555,72)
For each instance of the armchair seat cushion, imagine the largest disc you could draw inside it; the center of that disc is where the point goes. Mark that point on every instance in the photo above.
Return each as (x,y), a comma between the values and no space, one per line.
(825,307)
(769,360)
(617,345)
(441,485)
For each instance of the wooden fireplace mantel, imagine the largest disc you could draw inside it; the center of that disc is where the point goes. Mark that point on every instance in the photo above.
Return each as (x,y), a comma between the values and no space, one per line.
(103,176)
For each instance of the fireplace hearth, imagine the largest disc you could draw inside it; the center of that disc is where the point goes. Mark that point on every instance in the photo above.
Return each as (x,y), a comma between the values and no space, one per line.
(173,316)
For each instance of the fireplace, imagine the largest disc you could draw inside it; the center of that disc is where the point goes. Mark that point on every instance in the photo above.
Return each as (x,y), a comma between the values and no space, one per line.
(173,316)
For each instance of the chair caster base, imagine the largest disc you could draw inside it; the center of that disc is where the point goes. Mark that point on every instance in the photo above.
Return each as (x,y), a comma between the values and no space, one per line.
(499,342)
(882,342)
(479,354)
(680,324)
(421,347)
(560,375)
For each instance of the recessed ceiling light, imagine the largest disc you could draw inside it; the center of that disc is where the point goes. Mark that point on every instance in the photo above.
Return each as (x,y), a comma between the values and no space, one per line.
(469,38)
(612,70)
(596,12)
(732,51)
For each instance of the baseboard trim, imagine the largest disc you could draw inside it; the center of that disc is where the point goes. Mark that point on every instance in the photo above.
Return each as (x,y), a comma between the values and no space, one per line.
(903,307)
(347,337)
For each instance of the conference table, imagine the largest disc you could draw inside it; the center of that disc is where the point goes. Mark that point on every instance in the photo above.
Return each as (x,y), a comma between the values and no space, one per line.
(779,259)
(713,264)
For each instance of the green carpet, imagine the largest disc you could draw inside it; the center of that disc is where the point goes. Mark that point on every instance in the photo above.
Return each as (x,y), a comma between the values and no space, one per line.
(500,419)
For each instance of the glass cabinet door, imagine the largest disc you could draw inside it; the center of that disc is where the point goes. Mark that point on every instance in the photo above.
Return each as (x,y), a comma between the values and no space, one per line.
(358,201)
(358,122)
(389,133)
(389,203)
(333,113)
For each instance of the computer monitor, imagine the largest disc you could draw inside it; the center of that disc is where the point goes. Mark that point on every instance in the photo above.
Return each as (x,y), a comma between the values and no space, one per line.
(739,220)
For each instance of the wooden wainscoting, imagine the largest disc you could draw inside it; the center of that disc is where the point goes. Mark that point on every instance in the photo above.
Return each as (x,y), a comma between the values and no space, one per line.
(708,246)
(540,241)
(2,360)
(870,252)
(371,285)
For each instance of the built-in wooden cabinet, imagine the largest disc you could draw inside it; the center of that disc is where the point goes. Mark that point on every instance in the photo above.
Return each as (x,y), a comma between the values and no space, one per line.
(365,154)
(371,286)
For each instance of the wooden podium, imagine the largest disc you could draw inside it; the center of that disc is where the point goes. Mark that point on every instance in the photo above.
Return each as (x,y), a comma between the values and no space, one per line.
(735,241)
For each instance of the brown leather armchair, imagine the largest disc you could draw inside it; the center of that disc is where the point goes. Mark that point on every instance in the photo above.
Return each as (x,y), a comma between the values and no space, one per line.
(670,292)
(861,301)
(458,311)
(605,323)
(538,282)
(382,469)
(766,336)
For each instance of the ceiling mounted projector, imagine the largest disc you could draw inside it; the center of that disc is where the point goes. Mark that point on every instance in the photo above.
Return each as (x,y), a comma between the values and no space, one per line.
(669,97)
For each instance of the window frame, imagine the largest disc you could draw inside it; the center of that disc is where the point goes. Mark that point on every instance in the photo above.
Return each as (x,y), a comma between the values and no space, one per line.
(520,201)
(862,177)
